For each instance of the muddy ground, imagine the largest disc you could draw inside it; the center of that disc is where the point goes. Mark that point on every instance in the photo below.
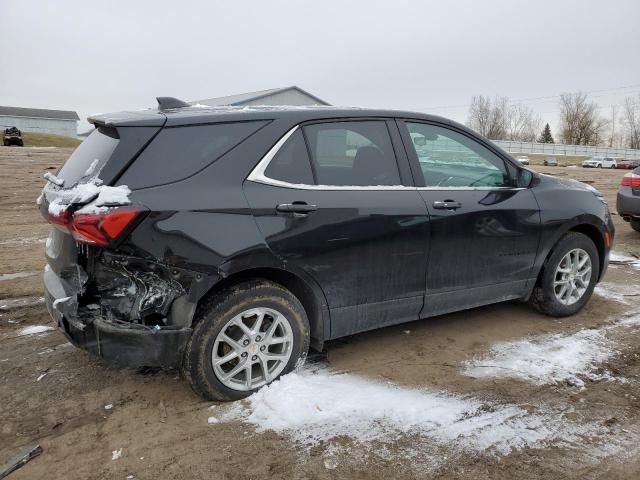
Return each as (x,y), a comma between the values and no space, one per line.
(55,395)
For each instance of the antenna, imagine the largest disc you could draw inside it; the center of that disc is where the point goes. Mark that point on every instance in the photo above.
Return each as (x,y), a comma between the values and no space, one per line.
(166,103)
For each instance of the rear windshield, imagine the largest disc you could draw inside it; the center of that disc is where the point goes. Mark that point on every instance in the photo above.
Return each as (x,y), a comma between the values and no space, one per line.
(179,152)
(90,156)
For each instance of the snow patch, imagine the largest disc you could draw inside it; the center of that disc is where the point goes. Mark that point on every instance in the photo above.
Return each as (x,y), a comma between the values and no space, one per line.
(616,258)
(33,329)
(319,406)
(552,359)
(22,241)
(95,197)
(13,276)
(116,454)
(11,303)
(212,420)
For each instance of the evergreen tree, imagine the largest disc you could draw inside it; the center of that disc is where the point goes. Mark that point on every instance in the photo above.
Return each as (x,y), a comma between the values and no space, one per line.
(545,136)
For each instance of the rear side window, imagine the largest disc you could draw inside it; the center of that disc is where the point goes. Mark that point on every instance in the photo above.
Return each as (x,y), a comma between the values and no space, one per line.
(353,153)
(179,152)
(90,156)
(291,163)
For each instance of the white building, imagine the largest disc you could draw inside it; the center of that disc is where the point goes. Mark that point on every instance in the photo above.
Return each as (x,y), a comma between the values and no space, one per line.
(60,122)
(275,96)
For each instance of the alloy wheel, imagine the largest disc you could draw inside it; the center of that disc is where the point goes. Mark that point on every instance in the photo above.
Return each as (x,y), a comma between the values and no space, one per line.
(252,349)
(572,276)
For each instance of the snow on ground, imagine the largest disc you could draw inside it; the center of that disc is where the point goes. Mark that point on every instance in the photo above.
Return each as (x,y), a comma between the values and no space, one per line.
(22,241)
(11,303)
(619,293)
(617,258)
(13,276)
(319,406)
(33,329)
(550,359)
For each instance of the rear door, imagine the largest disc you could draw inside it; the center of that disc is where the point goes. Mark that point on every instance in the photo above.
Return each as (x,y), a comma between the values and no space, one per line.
(484,228)
(334,200)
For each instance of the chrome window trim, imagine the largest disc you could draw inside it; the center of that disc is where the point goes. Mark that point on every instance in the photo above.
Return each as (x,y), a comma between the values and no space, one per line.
(257,175)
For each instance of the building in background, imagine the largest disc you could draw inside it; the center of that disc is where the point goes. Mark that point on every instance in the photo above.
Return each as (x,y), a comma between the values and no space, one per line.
(60,122)
(275,96)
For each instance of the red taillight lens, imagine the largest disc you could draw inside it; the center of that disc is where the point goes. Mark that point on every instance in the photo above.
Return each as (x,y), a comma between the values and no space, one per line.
(631,180)
(101,228)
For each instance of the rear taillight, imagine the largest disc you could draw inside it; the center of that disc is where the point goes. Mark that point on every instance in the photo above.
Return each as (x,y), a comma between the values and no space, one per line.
(631,180)
(100,228)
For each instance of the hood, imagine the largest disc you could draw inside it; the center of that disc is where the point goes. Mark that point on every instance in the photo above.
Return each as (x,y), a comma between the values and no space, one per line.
(571,183)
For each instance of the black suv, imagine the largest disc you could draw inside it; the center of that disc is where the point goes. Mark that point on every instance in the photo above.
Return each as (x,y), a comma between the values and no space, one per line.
(12,136)
(228,241)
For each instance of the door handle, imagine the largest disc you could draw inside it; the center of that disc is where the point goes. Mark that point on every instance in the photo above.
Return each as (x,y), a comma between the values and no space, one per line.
(447,205)
(296,207)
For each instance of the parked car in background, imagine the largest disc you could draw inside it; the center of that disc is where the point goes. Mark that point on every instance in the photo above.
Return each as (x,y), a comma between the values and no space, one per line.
(12,136)
(628,164)
(227,241)
(522,160)
(551,161)
(600,162)
(628,200)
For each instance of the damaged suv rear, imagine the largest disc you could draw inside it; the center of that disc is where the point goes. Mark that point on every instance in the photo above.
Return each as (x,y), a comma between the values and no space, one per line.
(228,241)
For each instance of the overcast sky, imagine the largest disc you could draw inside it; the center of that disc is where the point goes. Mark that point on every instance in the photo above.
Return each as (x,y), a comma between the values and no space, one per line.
(429,56)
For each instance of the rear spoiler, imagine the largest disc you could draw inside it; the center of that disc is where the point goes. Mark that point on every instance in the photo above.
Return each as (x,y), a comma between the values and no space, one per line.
(142,118)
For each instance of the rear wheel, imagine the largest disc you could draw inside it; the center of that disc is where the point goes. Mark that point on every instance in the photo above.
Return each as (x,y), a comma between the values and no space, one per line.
(244,338)
(568,278)
(635,224)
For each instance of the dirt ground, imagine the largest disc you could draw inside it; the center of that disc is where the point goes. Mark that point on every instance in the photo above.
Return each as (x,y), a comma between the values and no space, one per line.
(54,394)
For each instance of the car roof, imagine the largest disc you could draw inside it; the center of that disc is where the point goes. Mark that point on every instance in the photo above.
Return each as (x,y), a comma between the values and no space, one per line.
(199,114)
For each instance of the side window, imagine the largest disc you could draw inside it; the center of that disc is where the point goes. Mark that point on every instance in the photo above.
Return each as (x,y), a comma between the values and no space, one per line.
(291,163)
(450,159)
(352,153)
(179,152)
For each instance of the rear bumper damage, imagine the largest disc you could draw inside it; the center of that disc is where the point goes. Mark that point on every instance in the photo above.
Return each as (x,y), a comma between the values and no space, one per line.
(126,317)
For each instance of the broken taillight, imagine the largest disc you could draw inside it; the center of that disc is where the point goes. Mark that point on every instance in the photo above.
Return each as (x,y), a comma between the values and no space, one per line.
(631,180)
(97,228)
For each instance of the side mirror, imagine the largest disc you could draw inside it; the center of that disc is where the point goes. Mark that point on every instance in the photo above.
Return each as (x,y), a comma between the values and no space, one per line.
(419,141)
(524,178)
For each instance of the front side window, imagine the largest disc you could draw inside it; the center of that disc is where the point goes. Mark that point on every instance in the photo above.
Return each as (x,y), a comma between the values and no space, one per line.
(352,153)
(450,159)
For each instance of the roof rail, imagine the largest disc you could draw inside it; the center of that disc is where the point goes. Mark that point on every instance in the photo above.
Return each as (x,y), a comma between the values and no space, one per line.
(166,103)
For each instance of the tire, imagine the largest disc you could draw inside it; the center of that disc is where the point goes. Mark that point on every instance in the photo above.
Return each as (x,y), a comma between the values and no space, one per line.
(544,297)
(213,319)
(635,224)
(599,166)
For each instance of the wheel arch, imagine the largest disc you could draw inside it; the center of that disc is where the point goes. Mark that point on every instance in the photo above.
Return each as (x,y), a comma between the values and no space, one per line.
(589,230)
(309,294)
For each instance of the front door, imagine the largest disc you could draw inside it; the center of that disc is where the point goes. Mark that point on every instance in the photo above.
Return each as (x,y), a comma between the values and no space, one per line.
(484,228)
(345,218)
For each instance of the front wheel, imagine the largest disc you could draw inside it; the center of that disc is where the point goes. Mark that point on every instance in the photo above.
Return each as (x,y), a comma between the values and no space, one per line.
(635,224)
(568,278)
(244,338)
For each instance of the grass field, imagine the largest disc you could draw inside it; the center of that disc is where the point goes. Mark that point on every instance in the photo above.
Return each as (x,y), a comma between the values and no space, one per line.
(33,139)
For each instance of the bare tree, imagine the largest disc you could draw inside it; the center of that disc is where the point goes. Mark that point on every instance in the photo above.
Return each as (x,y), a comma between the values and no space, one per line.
(498,120)
(612,129)
(522,123)
(580,122)
(487,117)
(631,119)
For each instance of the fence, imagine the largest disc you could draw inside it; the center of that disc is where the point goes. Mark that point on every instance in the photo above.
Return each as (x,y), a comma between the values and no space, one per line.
(560,149)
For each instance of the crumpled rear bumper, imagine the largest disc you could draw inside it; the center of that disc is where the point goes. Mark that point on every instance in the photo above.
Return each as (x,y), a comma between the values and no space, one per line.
(119,343)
